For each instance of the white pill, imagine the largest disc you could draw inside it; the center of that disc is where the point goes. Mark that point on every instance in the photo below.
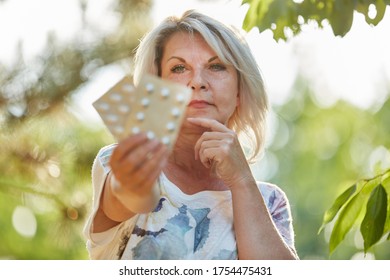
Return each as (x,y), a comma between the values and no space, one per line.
(103,106)
(165,140)
(115,97)
(118,129)
(170,126)
(175,112)
(128,87)
(145,102)
(123,109)
(149,87)
(180,98)
(140,116)
(150,134)
(112,118)
(165,92)
(135,130)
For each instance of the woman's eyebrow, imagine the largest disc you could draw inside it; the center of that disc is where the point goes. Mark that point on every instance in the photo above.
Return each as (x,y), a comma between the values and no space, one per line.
(183,60)
(177,57)
(213,58)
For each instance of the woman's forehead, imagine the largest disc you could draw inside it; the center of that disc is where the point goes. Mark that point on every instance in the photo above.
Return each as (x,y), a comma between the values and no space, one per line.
(186,44)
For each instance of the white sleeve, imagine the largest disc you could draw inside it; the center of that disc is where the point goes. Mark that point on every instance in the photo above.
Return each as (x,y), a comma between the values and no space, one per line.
(108,244)
(279,208)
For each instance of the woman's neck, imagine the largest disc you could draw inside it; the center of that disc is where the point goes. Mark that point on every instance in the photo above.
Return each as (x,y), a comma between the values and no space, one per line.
(188,174)
(183,153)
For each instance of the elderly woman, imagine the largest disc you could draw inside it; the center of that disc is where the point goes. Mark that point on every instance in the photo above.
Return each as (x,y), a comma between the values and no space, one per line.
(200,200)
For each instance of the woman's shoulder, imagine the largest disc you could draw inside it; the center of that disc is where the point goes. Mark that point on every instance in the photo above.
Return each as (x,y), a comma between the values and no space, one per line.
(272,194)
(106,150)
(269,187)
(104,155)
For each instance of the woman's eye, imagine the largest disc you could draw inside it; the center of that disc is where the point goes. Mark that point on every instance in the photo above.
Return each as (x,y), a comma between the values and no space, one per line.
(178,69)
(217,67)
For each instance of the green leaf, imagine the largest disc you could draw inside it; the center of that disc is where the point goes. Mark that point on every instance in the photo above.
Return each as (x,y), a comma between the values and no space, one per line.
(386,180)
(345,221)
(342,16)
(380,6)
(338,203)
(266,14)
(374,220)
(349,214)
(386,185)
(255,15)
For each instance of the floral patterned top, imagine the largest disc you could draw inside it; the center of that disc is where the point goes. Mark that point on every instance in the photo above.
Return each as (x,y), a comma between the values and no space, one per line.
(198,226)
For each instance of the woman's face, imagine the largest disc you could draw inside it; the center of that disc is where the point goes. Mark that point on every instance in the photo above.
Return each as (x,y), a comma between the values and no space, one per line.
(189,60)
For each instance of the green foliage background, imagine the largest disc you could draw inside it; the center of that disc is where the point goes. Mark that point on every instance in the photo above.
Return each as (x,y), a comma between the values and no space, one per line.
(47,152)
(285,18)
(327,151)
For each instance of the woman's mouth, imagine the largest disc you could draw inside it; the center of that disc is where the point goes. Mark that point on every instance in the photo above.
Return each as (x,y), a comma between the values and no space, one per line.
(199,104)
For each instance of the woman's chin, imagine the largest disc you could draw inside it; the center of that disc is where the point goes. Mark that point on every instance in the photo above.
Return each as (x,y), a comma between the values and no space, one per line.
(200,114)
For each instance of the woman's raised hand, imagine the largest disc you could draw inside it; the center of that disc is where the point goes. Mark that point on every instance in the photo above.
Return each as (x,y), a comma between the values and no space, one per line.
(135,165)
(219,148)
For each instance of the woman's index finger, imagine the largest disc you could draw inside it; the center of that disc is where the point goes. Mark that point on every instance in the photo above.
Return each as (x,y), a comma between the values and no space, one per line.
(211,124)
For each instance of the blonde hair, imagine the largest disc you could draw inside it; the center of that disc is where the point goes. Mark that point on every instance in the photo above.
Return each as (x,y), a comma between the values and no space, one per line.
(248,120)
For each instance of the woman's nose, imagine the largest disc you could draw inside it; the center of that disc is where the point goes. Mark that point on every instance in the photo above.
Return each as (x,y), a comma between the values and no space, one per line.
(198,81)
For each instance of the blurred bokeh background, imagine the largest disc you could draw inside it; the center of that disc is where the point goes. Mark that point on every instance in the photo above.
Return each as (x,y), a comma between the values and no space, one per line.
(328,124)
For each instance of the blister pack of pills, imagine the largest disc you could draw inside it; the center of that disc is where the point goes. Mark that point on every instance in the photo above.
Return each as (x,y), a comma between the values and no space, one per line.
(155,106)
